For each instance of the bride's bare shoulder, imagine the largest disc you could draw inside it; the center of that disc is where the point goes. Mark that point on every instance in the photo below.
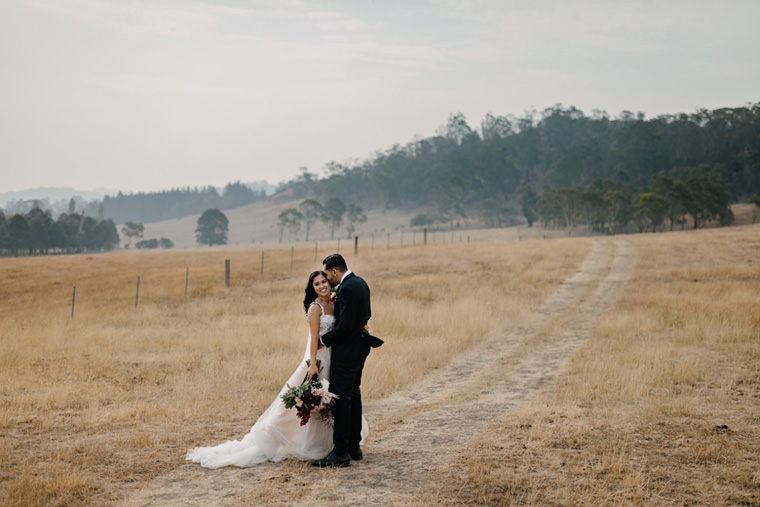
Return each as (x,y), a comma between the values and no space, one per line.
(314,312)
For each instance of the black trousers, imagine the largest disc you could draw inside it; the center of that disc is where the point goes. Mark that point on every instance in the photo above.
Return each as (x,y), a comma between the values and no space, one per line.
(346,368)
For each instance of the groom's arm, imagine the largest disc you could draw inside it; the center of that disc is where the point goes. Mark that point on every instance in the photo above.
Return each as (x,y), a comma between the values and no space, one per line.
(346,322)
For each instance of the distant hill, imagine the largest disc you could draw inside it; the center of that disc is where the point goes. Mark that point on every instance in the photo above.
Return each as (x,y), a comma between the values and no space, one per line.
(121,205)
(256,224)
(465,170)
(562,168)
(53,194)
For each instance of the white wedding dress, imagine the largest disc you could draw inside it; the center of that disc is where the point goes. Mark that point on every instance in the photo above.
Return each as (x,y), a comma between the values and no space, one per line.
(278,433)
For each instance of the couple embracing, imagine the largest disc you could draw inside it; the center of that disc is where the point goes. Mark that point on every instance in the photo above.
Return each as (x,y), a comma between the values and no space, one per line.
(339,343)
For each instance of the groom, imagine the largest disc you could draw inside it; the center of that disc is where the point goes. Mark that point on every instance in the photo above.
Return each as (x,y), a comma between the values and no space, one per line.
(350,344)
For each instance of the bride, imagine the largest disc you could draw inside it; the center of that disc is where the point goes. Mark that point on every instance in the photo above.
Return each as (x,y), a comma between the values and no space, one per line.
(278,433)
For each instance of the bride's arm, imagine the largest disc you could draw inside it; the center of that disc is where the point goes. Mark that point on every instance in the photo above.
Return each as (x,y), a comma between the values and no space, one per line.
(313,318)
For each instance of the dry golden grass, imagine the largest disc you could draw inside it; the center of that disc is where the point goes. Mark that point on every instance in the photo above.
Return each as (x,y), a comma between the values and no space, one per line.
(115,395)
(660,407)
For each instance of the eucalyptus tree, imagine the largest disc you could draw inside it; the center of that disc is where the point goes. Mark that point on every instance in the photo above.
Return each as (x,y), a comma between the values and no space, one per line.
(619,210)
(569,200)
(529,204)
(354,215)
(212,228)
(18,233)
(311,211)
(132,230)
(755,199)
(290,219)
(653,208)
(40,223)
(333,212)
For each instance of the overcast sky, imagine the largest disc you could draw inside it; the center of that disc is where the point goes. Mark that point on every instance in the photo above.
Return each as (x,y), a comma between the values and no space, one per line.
(150,95)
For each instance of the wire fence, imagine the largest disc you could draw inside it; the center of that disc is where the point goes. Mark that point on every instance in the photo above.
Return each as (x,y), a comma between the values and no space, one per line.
(274,262)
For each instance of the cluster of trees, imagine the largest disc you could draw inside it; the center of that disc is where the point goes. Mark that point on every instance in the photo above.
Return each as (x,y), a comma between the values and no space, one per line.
(334,213)
(36,233)
(605,206)
(463,172)
(134,230)
(177,203)
(155,243)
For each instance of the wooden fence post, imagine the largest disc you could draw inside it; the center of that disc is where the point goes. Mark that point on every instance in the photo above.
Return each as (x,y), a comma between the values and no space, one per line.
(261,271)
(292,253)
(316,246)
(424,236)
(73,300)
(187,277)
(226,272)
(137,292)
(388,241)
(356,245)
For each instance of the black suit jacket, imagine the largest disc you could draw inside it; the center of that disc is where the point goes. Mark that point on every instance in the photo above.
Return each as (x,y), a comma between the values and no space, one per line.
(352,311)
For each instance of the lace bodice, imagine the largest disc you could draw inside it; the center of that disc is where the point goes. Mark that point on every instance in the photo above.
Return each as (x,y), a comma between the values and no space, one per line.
(325,323)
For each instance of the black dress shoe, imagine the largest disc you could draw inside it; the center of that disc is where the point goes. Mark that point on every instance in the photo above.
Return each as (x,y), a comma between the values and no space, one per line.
(332,460)
(356,454)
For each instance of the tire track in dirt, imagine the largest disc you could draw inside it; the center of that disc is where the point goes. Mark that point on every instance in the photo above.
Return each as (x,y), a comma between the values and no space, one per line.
(414,431)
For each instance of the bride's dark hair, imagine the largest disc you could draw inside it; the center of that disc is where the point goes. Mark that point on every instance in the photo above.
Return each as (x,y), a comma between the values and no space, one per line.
(311,294)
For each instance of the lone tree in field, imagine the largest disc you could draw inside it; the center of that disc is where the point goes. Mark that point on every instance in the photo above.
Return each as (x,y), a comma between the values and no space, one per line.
(289,219)
(212,228)
(311,210)
(355,215)
(332,214)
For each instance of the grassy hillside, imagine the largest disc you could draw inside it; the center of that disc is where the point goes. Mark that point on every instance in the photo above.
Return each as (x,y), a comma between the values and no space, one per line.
(254,225)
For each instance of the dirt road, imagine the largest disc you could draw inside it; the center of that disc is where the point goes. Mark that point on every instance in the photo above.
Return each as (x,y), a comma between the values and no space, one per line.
(415,431)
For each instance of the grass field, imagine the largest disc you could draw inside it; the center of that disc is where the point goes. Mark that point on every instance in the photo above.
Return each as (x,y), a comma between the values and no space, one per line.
(662,405)
(116,394)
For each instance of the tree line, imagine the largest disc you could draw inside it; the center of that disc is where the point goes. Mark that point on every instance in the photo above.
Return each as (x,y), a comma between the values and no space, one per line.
(177,203)
(36,233)
(145,207)
(696,197)
(466,172)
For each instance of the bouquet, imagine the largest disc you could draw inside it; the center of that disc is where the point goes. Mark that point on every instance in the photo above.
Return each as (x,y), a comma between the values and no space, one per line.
(311,395)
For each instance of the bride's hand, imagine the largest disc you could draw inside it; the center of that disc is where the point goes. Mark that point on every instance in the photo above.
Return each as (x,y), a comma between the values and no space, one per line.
(313,371)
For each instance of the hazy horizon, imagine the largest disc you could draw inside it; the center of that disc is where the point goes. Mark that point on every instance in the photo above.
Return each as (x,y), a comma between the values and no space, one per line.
(142,96)
(55,195)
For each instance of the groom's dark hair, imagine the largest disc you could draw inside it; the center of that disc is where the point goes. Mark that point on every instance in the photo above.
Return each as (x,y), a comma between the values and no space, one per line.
(335,261)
